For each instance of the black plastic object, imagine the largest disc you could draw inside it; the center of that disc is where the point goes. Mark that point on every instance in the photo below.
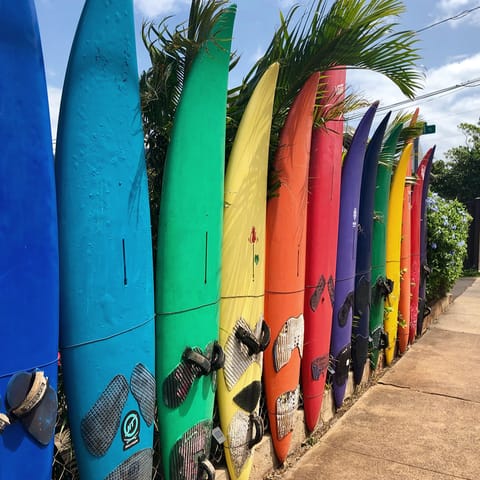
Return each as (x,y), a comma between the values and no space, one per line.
(345,309)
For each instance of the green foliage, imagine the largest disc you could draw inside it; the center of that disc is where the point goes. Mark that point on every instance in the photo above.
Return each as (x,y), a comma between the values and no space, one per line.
(458,177)
(171,52)
(357,34)
(447,233)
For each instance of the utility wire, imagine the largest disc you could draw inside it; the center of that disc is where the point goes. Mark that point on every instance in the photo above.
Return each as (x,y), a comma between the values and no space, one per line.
(458,16)
(468,83)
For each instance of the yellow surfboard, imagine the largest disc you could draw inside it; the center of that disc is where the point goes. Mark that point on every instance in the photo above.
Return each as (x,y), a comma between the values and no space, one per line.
(243,334)
(394,238)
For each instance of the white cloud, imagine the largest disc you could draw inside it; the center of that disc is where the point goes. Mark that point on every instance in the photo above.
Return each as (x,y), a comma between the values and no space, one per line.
(54,98)
(445,110)
(154,8)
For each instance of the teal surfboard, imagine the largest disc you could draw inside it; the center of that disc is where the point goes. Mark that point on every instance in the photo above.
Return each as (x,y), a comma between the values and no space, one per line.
(28,253)
(106,270)
(188,261)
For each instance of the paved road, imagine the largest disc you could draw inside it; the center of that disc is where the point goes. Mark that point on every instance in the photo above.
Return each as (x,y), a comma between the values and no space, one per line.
(422,420)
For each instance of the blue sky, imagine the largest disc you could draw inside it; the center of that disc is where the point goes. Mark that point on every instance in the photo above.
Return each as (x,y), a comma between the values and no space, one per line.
(450,53)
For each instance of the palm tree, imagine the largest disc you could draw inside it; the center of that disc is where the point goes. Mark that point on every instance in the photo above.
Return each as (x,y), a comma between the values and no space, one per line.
(353,33)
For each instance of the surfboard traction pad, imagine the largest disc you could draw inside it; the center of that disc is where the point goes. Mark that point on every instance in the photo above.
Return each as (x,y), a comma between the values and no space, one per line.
(237,356)
(244,429)
(286,406)
(362,297)
(180,380)
(136,467)
(189,455)
(142,384)
(102,422)
(289,338)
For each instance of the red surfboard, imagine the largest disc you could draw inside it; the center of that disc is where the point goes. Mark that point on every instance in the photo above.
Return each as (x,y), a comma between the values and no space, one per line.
(415,242)
(322,238)
(285,269)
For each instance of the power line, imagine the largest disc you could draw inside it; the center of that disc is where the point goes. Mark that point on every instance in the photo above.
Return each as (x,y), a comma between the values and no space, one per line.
(458,16)
(468,83)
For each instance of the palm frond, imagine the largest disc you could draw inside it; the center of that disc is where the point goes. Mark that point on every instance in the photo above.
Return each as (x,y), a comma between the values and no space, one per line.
(353,33)
(172,52)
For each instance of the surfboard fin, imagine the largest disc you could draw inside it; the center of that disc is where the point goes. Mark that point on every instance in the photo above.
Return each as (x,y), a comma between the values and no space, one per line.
(31,400)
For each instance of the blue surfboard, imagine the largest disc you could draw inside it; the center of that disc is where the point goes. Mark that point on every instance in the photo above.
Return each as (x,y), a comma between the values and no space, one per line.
(28,251)
(106,270)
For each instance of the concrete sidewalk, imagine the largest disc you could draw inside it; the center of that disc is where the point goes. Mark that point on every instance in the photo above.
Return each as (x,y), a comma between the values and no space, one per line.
(422,419)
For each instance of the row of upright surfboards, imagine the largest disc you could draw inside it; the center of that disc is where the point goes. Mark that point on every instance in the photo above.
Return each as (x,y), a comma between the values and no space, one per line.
(243,288)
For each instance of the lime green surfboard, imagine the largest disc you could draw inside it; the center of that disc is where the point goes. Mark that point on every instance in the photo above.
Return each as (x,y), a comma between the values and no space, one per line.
(188,262)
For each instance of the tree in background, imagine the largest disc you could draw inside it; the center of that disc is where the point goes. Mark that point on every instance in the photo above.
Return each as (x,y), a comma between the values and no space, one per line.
(352,33)
(458,176)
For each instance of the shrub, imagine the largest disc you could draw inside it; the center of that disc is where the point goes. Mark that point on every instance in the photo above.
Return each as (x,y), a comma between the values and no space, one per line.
(447,234)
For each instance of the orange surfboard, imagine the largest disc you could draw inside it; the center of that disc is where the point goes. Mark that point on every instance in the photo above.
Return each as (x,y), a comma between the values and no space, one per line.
(285,269)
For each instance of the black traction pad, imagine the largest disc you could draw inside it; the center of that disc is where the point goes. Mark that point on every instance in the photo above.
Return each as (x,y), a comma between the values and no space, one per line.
(317,293)
(331,289)
(342,365)
(318,366)
(142,384)
(136,467)
(40,422)
(178,383)
(345,309)
(191,449)
(362,296)
(247,399)
(101,423)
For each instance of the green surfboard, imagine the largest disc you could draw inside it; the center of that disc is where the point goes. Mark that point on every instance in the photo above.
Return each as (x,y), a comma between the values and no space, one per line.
(380,286)
(188,261)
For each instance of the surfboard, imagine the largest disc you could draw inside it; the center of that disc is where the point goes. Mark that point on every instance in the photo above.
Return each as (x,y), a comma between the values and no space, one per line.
(29,253)
(415,242)
(243,333)
(405,256)
(394,237)
(321,250)
(187,291)
(106,271)
(285,269)
(422,306)
(381,286)
(363,264)
(405,264)
(340,345)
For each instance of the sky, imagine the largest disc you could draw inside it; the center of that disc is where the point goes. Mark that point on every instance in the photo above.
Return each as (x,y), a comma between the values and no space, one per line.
(450,55)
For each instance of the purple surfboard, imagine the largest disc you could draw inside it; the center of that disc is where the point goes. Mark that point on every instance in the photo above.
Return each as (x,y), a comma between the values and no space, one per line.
(340,346)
